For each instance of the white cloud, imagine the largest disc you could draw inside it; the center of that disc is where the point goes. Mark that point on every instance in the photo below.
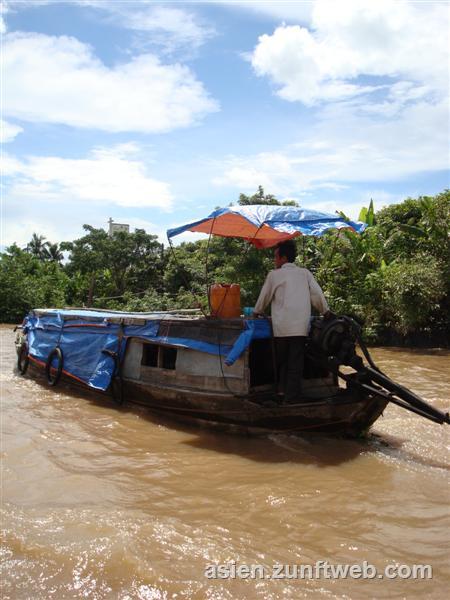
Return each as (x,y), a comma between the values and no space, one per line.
(8,131)
(149,226)
(298,11)
(187,236)
(351,206)
(346,146)
(21,233)
(107,176)
(277,171)
(54,196)
(249,174)
(171,27)
(10,165)
(352,39)
(380,74)
(3,11)
(64,221)
(59,80)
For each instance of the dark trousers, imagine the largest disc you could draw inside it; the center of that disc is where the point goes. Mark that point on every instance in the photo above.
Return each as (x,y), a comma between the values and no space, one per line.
(290,357)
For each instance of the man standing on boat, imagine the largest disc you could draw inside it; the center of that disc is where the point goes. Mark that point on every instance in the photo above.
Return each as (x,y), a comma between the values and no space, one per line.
(291,290)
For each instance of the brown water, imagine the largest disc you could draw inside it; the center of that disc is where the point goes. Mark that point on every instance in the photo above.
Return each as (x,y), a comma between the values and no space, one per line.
(101,502)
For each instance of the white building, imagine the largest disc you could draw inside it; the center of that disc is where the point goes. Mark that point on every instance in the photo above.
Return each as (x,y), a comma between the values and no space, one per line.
(113,227)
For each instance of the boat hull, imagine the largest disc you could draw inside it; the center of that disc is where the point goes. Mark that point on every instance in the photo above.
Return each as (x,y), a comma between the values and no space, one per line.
(344,413)
(347,412)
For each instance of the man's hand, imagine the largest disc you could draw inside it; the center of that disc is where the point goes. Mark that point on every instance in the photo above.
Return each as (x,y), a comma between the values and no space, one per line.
(329,315)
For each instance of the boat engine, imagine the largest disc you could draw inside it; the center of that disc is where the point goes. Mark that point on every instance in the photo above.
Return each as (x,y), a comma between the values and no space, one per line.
(336,340)
(333,343)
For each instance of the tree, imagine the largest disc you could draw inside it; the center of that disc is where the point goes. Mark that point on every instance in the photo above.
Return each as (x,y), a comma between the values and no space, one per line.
(28,282)
(412,294)
(36,246)
(261,198)
(111,265)
(52,252)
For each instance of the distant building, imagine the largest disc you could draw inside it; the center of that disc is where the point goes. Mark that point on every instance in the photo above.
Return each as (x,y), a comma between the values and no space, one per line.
(113,227)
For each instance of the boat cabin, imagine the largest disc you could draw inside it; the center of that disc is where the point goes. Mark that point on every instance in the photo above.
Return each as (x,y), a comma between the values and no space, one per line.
(254,372)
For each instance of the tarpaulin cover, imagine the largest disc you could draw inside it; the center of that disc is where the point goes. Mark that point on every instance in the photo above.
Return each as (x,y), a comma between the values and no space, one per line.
(265,225)
(83,338)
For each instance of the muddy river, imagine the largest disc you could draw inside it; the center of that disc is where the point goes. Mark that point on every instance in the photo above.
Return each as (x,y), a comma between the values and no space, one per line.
(106,502)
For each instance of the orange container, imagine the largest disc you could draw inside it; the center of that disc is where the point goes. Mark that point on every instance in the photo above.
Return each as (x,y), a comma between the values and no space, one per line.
(225,300)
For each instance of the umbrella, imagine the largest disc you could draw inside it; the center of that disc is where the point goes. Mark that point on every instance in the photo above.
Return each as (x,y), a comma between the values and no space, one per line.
(267,225)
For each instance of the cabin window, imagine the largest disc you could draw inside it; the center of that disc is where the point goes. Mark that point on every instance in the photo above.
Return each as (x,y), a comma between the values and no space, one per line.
(150,355)
(158,356)
(168,357)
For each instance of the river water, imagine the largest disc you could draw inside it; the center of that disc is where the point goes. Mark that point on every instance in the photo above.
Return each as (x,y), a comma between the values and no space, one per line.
(100,502)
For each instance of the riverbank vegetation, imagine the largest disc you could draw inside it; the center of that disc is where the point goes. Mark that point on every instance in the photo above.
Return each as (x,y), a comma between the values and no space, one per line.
(394,278)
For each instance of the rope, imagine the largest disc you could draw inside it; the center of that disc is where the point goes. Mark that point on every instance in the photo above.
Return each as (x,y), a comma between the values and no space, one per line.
(161,290)
(185,280)
(225,382)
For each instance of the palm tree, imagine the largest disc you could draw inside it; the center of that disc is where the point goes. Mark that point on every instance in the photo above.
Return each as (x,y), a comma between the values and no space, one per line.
(52,252)
(37,247)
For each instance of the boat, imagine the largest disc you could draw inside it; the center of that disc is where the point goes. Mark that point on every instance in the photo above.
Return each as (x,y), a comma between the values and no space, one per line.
(219,372)
(210,371)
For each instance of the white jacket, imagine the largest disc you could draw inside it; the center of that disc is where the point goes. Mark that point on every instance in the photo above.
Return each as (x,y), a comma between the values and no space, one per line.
(291,290)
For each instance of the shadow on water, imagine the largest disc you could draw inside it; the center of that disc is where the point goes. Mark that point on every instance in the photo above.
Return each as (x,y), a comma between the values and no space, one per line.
(316,450)
(312,449)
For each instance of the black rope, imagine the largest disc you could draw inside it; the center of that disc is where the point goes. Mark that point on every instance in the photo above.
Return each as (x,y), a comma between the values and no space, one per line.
(225,382)
(362,344)
(252,240)
(184,279)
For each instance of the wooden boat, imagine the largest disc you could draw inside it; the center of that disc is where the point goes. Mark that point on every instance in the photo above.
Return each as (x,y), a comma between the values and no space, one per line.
(215,372)
(220,372)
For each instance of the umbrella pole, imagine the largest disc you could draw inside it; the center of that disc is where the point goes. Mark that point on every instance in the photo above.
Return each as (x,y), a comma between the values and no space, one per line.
(206,266)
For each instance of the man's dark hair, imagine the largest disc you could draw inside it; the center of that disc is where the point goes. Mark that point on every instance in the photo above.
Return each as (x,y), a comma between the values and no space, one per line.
(287,249)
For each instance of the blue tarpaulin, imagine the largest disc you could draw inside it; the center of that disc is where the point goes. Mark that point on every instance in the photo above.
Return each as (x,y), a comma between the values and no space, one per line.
(255,329)
(88,338)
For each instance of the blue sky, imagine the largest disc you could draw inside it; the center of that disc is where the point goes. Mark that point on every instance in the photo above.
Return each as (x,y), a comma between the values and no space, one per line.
(155,113)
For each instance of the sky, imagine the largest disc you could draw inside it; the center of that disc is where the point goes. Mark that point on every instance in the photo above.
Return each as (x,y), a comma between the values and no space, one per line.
(153,114)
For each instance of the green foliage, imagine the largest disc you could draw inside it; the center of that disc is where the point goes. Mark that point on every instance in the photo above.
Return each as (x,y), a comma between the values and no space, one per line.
(37,247)
(53,252)
(153,300)
(411,291)
(28,282)
(185,268)
(367,215)
(261,198)
(111,265)
(367,275)
(195,266)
